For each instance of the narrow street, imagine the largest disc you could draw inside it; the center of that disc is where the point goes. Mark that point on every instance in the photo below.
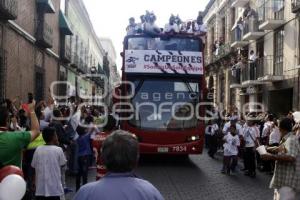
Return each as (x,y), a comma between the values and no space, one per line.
(196,178)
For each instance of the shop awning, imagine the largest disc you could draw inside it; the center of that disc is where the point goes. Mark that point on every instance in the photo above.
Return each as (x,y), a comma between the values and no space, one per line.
(64,25)
(47,5)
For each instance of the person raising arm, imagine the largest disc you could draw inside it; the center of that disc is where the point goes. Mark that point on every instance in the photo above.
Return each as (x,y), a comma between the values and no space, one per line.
(35,126)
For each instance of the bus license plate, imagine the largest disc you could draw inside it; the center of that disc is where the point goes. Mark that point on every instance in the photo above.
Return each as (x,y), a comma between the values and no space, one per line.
(162,149)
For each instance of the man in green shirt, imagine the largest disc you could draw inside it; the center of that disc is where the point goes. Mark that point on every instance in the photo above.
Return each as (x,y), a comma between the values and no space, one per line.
(12,143)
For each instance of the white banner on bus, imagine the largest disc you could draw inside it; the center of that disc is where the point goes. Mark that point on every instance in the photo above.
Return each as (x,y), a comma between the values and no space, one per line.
(162,61)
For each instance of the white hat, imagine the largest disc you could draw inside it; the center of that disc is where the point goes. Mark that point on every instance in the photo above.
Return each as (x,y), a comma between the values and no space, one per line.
(296,116)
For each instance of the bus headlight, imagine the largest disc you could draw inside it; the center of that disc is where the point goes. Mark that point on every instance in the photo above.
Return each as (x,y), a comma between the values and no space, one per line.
(193,138)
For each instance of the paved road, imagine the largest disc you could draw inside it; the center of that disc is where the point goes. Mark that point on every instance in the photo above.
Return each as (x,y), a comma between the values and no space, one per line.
(199,178)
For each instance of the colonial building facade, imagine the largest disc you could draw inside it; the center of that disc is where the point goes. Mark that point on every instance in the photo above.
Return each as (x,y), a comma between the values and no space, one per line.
(252,54)
(29,47)
(43,41)
(85,53)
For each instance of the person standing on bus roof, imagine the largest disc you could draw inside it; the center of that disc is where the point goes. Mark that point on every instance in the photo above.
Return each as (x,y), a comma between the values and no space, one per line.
(140,26)
(200,28)
(150,26)
(132,27)
(171,27)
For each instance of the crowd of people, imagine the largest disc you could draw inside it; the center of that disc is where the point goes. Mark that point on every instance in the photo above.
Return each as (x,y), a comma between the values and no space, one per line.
(48,141)
(175,25)
(239,138)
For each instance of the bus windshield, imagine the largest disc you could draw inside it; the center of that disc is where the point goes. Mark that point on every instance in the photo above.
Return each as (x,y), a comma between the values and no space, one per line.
(165,104)
(157,43)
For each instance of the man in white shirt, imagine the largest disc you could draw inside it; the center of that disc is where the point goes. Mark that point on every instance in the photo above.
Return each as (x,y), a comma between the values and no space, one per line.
(140,26)
(150,27)
(132,27)
(250,135)
(275,135)
(267,129)
(171,27)
(200,28)
(252,62)
(231,143)
(47,161)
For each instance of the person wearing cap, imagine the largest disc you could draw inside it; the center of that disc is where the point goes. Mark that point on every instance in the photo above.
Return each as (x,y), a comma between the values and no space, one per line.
(250,136)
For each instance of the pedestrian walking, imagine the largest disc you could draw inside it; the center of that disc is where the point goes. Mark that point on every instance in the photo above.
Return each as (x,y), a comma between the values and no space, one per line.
(250,136)
(84,153)
(231,143)
(211,132)
(120,153)
(47,162)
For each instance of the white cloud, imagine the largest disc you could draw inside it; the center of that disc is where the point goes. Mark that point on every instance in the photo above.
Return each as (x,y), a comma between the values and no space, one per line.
(110,17)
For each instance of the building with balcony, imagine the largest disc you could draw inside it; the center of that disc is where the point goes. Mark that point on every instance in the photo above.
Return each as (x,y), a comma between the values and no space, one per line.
(29,47)
(81,52)
(112,58)
(263,62)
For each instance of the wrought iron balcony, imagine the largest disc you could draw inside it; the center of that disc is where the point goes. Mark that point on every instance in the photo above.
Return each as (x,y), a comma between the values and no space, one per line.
(235,77)
(44,35)
(65,52)
(224,50)
(221,52)
(251,31)
(271,71)
(271,14)
(295,6)
(82,67)
(236,37)
(252,71)
(74,60)
(9,9)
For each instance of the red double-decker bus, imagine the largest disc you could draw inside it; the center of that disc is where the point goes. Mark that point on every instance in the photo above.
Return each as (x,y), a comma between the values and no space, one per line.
(163,81)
